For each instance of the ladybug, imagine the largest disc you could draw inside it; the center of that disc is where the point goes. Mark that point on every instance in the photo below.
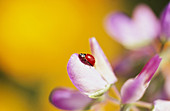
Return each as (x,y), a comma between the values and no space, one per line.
(87,59)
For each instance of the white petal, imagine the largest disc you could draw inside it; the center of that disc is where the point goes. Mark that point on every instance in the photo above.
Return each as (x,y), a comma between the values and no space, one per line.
(85,78)
(161,105)
(102,65)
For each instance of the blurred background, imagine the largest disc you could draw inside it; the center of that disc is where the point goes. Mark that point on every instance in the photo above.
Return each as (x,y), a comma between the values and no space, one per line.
(37,38)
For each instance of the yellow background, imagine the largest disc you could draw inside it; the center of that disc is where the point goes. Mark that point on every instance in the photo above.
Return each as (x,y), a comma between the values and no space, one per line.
(36,40)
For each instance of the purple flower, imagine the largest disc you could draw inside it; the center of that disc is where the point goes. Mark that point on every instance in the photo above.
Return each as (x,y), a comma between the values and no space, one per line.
(91,80)
(161,105)
(165,22)
(68,99)
(133,89)
(136,32)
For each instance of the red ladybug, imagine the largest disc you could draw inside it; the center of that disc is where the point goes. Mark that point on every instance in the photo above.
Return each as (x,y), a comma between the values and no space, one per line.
(87,59)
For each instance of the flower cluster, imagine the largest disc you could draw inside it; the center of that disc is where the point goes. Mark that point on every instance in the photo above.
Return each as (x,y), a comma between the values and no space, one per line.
(146,37)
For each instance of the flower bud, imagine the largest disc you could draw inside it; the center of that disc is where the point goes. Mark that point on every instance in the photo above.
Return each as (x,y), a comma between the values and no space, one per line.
(68,99)
(133,89)
(91,80)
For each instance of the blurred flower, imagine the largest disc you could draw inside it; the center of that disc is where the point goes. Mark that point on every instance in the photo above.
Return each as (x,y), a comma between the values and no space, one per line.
(165,21)
(166,85)
(136,32)
(161,105)
(166,71)
(129,62)
(133,89)
(166,74)
(92,81)
(68,99)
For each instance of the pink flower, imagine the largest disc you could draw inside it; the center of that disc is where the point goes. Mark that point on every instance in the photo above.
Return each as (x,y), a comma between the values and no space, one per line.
(161,105)
(136,32)
(133,89)
(165,22)
(91,80)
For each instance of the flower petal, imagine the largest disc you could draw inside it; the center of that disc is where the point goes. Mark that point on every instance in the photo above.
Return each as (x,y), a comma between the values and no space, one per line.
(146,22)
(133,89)
(68,99)
(102,65)
(165,21)
(161,105)
(150,68)
(121,27)
(86,78)
(134,33)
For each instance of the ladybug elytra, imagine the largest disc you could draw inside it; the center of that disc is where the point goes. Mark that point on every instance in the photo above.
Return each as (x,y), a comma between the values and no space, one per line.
(87,59)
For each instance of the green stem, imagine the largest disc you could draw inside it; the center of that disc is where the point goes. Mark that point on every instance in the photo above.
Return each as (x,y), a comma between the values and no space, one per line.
(125,107)
(94,101)
(143,104)
(114,88)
